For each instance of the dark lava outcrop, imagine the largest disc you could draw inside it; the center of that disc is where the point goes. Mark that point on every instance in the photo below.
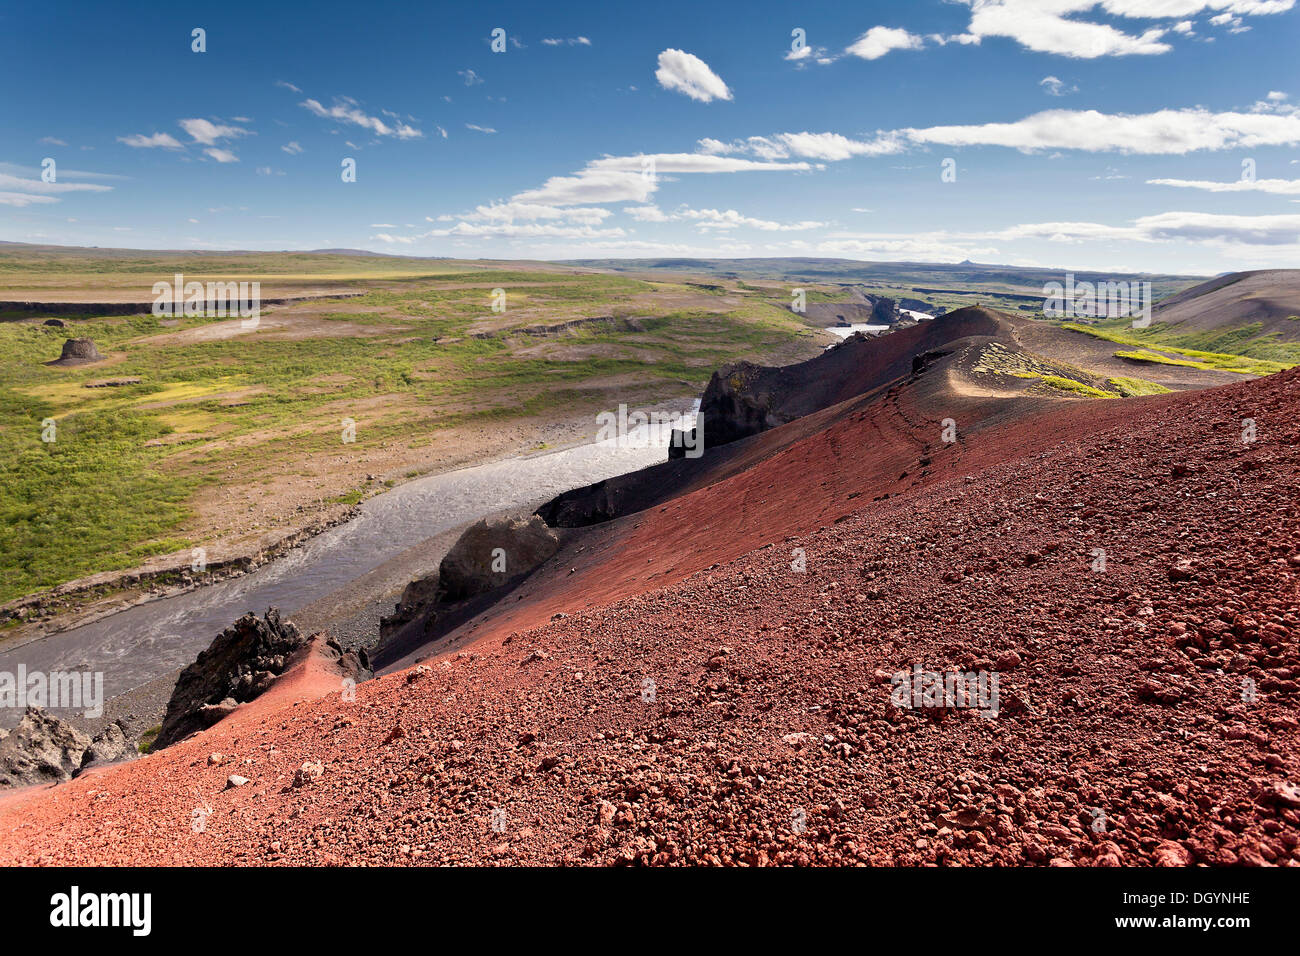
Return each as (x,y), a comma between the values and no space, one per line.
(80,351)
(240,664)
(489,554)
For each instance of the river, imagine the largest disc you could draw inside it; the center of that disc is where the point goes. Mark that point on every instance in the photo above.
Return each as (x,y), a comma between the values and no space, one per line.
(145,641)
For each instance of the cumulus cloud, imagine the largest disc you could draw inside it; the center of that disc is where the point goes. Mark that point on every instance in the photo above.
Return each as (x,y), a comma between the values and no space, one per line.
(221,155)
(878,41)
(347,110)
(687,73)
(1062,27)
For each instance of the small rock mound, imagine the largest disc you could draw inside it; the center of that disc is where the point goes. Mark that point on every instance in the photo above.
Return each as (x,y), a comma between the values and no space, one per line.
(55,323)
(240,664)
(80,351)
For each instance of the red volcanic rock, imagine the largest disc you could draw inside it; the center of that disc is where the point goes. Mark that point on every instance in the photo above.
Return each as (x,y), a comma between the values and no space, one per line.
(623,734)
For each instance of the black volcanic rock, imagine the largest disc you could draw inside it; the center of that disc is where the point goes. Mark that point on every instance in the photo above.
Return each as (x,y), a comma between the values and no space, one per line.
(239,665)
(79,351)
(883,310)
(491,552)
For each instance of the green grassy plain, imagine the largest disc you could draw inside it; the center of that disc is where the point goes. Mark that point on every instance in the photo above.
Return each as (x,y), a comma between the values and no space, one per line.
(117,484)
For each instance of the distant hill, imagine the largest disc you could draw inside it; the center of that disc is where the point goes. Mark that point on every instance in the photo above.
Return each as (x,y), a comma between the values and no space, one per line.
(1268,298)
(923,278)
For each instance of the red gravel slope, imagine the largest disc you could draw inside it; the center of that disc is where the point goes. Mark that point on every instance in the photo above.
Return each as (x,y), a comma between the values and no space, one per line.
(1124,735)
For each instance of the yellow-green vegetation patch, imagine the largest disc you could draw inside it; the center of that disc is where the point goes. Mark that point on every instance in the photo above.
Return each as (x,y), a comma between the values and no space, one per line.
(1063,384)
(1159,337)
(1146,355)
(1133,387)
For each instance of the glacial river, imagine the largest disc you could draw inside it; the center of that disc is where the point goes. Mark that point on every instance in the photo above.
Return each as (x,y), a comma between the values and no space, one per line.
(137,644)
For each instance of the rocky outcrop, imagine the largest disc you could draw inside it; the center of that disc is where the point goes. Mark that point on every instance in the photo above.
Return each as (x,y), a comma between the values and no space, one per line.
(419,595)
(240,664)
(43,749)
(111,745)
(80,351)
(883,310)
(491,552)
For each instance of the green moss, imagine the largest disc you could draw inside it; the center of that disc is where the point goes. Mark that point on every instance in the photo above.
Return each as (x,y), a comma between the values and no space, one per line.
(1132,387)
(147,739)
(1237,345)
(1079,388)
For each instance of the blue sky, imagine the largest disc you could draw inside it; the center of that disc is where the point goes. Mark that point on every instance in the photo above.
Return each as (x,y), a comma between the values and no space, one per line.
(1104,135)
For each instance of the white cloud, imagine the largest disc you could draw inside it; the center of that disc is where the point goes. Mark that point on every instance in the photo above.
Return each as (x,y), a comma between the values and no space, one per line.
(1054,86)
(1060,27)
(1169,132)
(293,149)
(346,110)
(1201,227)
(510,211)
(834,147)
(221,155)
(878,41)
(479,129)
(23,199)
(470,77)
(1283,187)
(207,133)
(288,86)
(646,213)
(626,178)
(687,73)
(52,141)
(731,219)
(140,141)
(21,191)
(566,41)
